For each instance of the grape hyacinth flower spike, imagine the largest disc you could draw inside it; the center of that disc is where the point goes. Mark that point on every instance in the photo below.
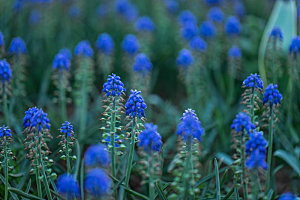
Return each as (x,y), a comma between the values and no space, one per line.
(68,187)
(96,156)
(216,15)
(17,47)
(288,196)
(144,24)
(141,73)
(97,183)
(232,26)
(5,79)
(207,30)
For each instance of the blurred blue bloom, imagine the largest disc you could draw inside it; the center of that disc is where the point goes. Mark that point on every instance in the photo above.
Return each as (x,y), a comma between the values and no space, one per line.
(66,52)
(190,126)
(74,11)
(256,159)
(101,10)
(117,141)
(68,186)
(186,16)
(17,5)
(5,131)
(287,196)
(35,117)
(272,95)
(61,62)
(67,129)
(105,43)
(130,44)
(149,138)
(142,64)
(242,122)
(135,105)
(184,58)
(84,48)
(97,183)
(276,33)
(5,71)
(253,80)
(198,44)
(17,46)
(207,29)
(239,9)
(232,26)
(189,30)
(256,141)
(144,24)
(126,9)
(96,155)
(235,52)
(34,17)
(2,42)
(172,5)
(215,14)
(113,86)
(213,2)
(295,46)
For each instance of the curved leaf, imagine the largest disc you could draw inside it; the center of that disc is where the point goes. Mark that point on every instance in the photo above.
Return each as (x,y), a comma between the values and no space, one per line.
(289,159)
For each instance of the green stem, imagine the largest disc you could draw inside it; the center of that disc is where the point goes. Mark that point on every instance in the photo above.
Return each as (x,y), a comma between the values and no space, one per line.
(83,105)
(38,181)
(130,156)
(243,177)
(151,184)
(255,183)
(62,96)
(68,155)
(112,141)
(270,137)
(6,169)
(187,168)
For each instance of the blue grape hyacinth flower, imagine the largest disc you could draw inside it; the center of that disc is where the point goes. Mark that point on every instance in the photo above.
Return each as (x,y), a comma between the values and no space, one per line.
(96,155)
(253,80)
(5,131)
(207,30)
(190,126)
(97,183)
(215,14)
(188,31)
(256,141)
(232,26)
(276,33)
(185,17)
(2,42)
(66,52)
(242,122)
(295,46)
(35,117)
(5,71)
(17,46)
(198,44)
(171,5)
(135,105)
(256,159)
(144,23)
(113,86)
(213,2)
(126,9)
(149,138)
(105,43)
(235,52)
(68,186)
(272,95)
(142,64)
(239,9)
(287,196)
(185,58)
(130,44)
(84,48)
(67,129)
(61,62)
(117,141)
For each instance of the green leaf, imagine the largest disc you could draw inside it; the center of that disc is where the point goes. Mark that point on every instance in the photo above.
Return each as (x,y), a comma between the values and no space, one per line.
(289,159)
(224,158)
(217,180)
(160,191)
(21,193)
(229,194)
(270,194)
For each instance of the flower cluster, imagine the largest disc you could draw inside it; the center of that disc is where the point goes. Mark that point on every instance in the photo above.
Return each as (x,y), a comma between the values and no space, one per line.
(295,46)
(239,9)
(235,52)
(96,155)
(215,14)
(142,64)
(61,62)
(105,43)
(185,58)
(66,52)
(198,44)
(113,86)
(126,9)
(232,26)
(144,24)
(171,5)
(17,46)
(190,126)
(242,122)
(2,42)
(35,117)
(135,105)
(213,2)
(5,131)
(189,30)
(68,186)
(130,44)
(67,129)
(287,196)
(207,30)
(272,95)
(117,141)
(84,48)
(276,33)
(185,17)
(149,138)
(97,183)
(5,71)
(253,81)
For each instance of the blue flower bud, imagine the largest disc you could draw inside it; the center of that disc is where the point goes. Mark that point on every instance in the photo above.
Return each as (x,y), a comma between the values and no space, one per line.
(149,138)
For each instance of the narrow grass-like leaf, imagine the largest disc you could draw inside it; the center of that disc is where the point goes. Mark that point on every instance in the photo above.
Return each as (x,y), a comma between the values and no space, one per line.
(209,177)
(270,194)
(57,194)
(27,188)
(289,159)
(218,196)
(24,194)
(120,182)
(14,196)
(224,178)
(160,191)
(229,194)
